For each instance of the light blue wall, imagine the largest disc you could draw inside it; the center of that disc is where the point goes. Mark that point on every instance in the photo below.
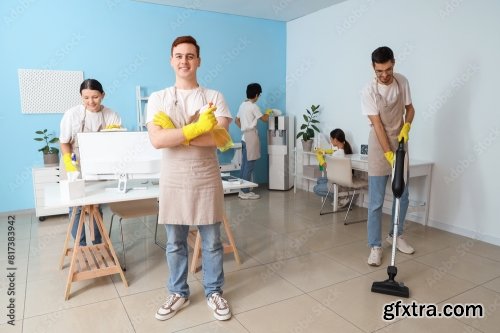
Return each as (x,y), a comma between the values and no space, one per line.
(124,44)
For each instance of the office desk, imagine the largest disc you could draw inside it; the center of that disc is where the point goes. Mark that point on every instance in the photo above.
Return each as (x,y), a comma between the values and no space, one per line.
(418,168)
(93,261)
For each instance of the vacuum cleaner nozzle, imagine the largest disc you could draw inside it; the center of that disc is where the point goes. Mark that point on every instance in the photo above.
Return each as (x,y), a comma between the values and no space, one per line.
(390,286)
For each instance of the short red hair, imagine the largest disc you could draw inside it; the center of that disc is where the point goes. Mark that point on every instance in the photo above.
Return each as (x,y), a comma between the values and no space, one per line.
(185,40)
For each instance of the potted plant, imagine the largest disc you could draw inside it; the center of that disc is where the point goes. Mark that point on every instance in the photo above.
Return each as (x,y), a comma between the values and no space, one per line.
(308,128)
(50,153)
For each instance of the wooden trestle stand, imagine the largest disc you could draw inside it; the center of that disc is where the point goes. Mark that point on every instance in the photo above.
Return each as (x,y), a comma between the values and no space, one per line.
(91,261)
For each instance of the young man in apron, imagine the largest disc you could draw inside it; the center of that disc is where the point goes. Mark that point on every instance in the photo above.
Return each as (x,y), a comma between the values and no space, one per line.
(246,119)
(90,116)
(387,103)
(180,120)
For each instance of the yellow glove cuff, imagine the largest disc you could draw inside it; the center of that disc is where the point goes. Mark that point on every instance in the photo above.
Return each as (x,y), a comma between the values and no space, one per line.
(389,156)
(189,132)
(403,134)
(68,163)
(205,124)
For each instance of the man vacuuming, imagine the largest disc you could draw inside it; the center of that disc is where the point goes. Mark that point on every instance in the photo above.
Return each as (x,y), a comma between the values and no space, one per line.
(387,102)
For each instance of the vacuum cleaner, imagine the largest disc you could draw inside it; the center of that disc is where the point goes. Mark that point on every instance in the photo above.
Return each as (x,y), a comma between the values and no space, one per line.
(390,286)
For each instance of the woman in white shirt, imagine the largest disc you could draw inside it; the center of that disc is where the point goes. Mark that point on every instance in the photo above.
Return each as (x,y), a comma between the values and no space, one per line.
(90,116)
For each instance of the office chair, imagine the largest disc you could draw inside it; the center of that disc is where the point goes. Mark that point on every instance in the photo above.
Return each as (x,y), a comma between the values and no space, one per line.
(339,172)
(132,209)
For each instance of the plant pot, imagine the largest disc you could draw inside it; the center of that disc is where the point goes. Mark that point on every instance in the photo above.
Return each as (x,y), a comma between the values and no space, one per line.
(51,159)
(307,145)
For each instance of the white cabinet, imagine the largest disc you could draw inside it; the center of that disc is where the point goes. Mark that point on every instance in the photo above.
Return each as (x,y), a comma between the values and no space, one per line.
(41,177)
(306,169)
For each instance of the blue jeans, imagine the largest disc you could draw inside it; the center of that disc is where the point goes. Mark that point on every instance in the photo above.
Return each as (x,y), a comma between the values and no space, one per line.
(246,166)
(211,255)
(74,229)
(376,194)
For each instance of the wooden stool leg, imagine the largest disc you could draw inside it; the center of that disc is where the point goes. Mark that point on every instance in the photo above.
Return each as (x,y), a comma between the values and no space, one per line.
(230,237)
(196,252)
(227,248)
(76,248)
(68,235)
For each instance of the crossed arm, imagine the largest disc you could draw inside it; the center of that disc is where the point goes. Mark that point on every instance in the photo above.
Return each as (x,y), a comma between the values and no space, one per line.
(172,137)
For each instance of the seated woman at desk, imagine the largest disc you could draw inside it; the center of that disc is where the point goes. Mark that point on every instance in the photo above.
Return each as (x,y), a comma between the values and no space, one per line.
(340,148)
(90,116)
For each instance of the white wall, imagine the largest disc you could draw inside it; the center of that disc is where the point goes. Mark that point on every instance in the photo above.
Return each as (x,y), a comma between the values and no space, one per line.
(450,52)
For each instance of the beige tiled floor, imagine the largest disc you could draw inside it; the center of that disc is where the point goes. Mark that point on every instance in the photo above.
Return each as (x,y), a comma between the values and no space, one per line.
(300,272)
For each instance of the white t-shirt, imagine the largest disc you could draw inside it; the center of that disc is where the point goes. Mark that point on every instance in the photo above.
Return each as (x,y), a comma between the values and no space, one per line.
(77,120)
(339,153)
(189,101)
(389,93)
(249,113)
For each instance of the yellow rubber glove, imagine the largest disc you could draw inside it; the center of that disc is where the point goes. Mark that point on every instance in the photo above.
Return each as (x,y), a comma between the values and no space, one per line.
(321,159)
(389,156)
(269,112)
(161,119)
(68,163)
(404,132)
(112,126)
(320,156)
(205,124)
(222,138)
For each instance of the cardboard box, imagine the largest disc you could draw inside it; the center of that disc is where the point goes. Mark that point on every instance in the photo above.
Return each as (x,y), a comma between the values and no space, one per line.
(71,190)
(311,171)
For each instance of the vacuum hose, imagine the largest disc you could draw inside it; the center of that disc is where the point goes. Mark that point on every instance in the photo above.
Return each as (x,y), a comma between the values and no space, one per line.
(398,181)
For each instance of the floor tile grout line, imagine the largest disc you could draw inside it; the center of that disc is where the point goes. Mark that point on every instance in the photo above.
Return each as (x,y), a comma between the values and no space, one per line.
(338,314)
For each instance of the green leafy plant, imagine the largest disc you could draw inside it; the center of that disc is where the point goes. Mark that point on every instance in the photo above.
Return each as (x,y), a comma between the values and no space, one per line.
(308,128)
(49,139)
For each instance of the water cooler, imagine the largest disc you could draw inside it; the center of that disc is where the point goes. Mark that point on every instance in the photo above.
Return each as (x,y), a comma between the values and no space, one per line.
(280,145)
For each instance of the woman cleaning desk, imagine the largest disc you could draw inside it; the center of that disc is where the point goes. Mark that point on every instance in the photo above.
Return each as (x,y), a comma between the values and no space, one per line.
(90,116)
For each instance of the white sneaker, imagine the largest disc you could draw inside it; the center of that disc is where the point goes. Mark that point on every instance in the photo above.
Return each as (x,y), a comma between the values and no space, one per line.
(375,258)
(249,195)
(174,303)
(401,244)
(220,306)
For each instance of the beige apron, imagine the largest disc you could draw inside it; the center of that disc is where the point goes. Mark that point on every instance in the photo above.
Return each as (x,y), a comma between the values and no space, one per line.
(191,190)
(391,115)
(252,144)
(75,147)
